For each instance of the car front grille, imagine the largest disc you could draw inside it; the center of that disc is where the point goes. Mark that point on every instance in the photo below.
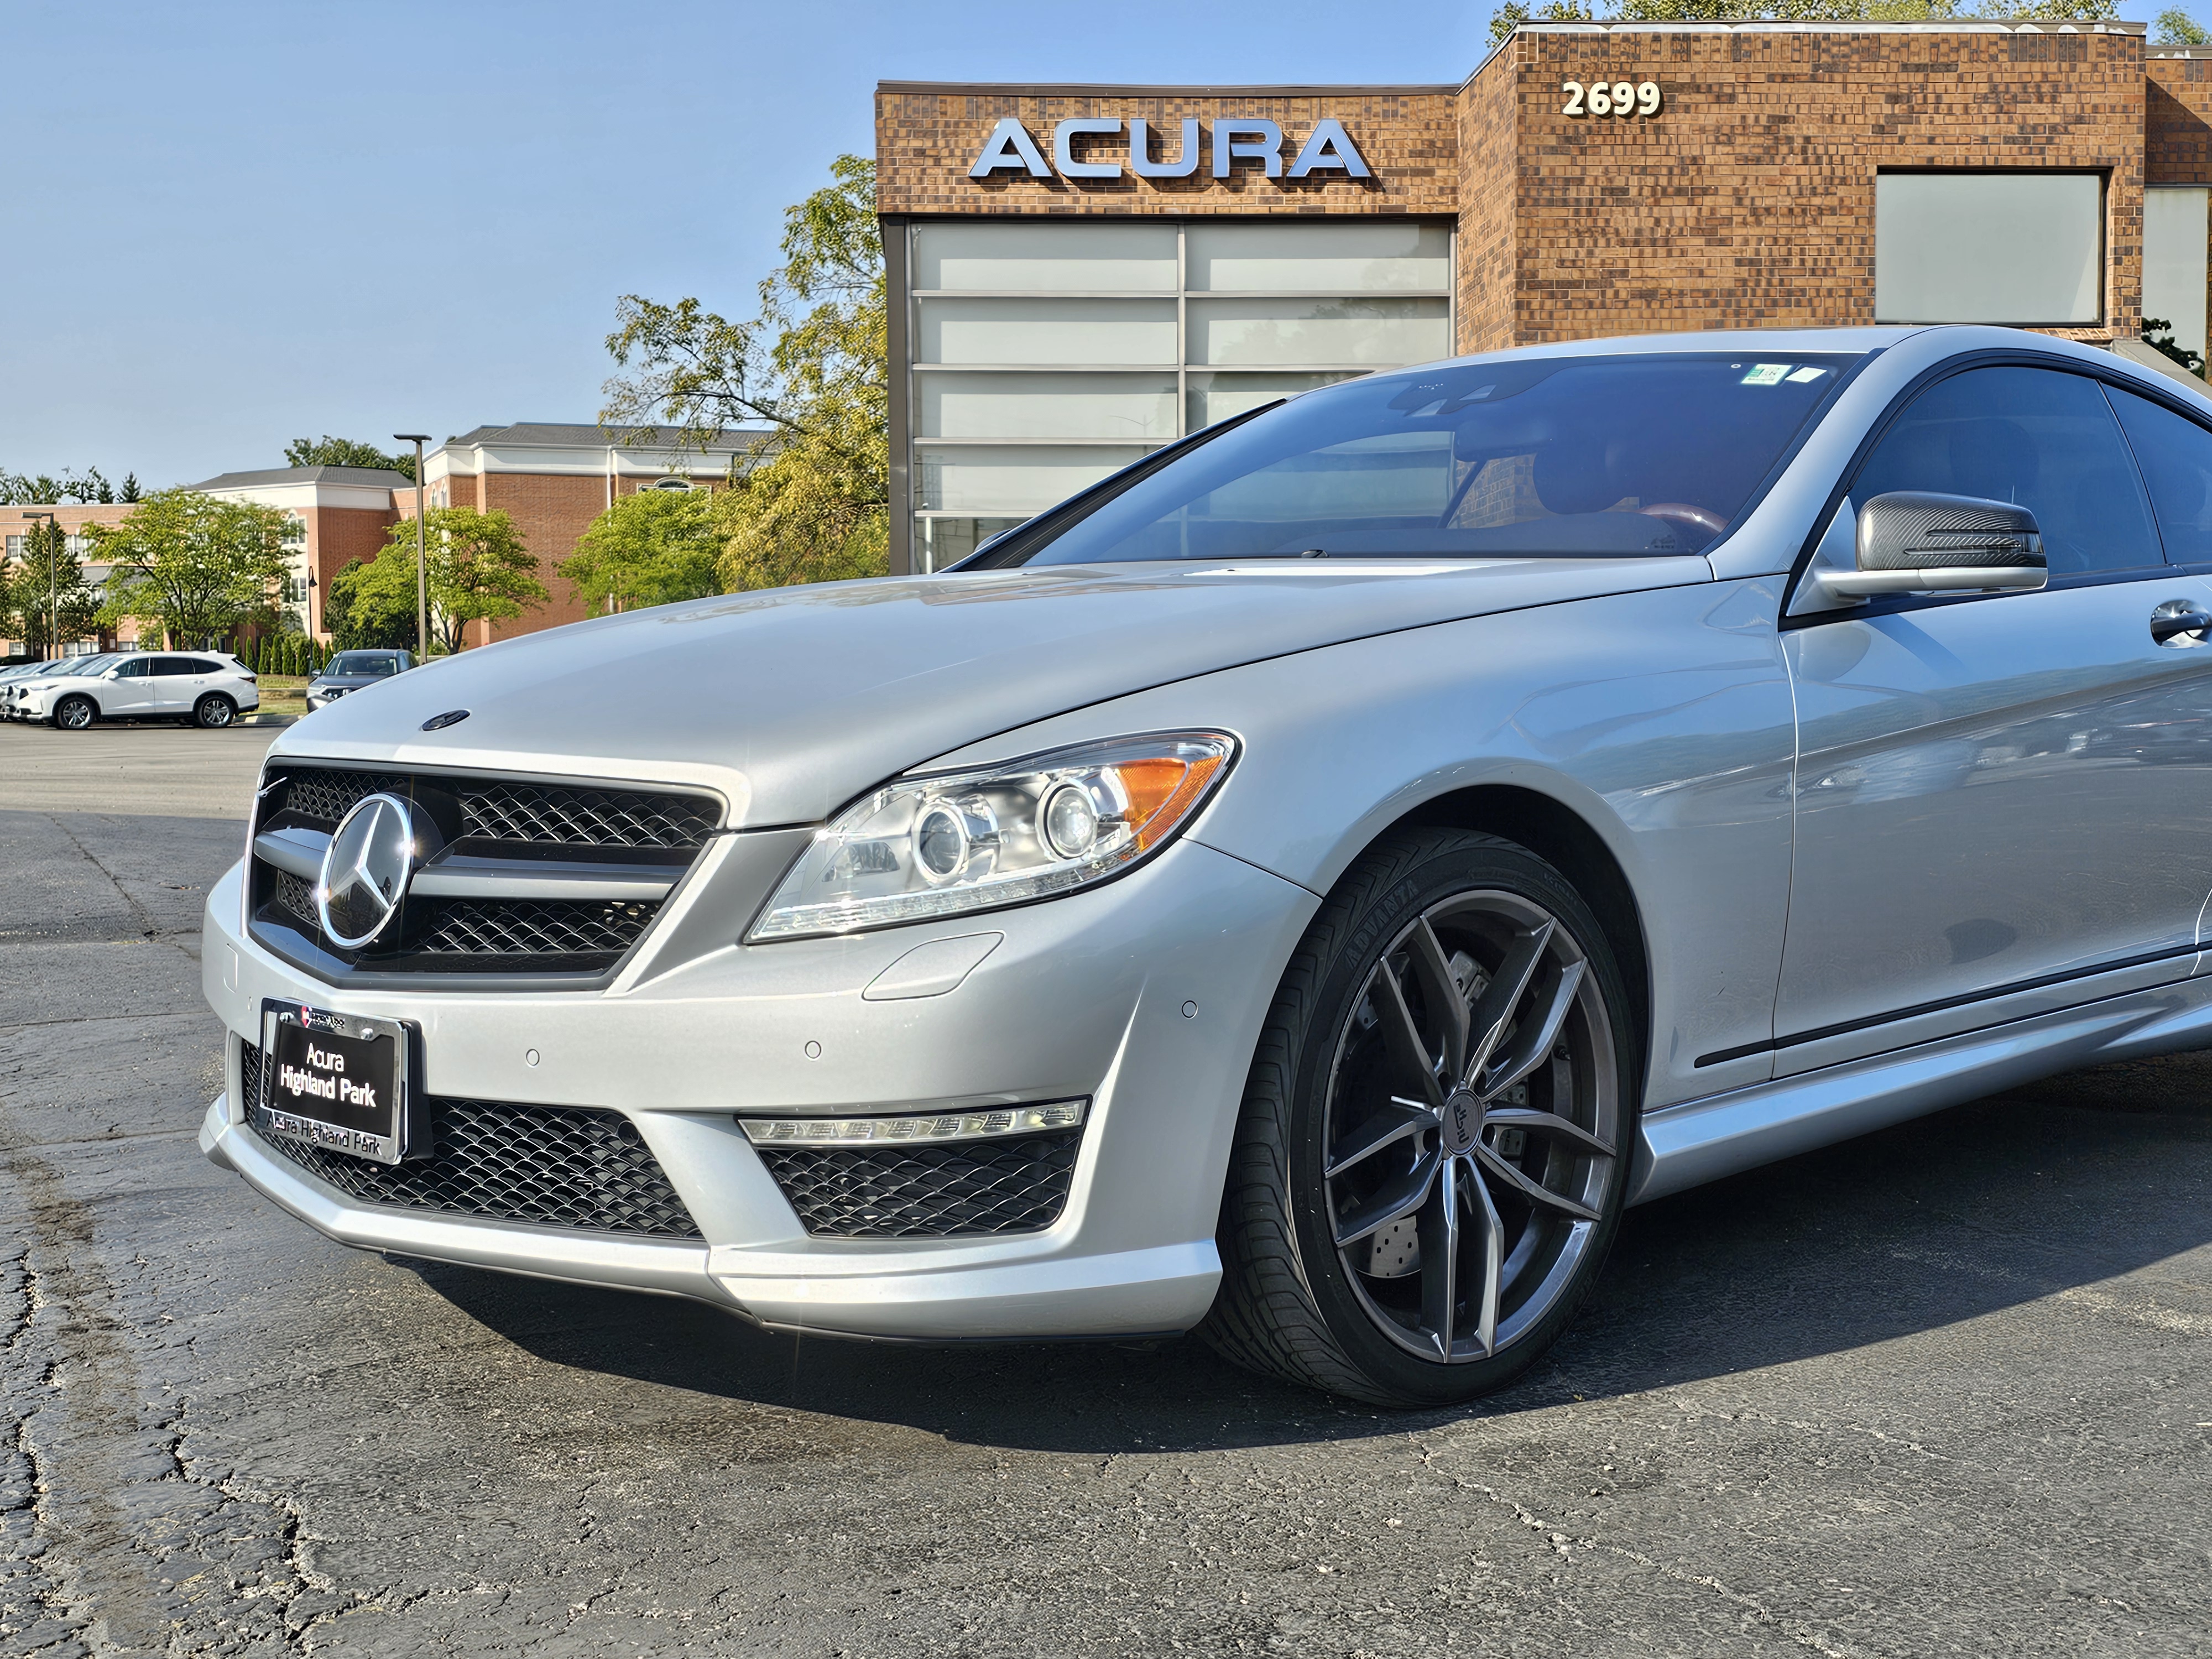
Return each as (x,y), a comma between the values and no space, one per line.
(494,826)
(962,1190)
(580,1168)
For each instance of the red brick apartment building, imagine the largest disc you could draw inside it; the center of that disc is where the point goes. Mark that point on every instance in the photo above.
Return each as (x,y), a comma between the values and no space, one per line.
(1082,272)
(552,479)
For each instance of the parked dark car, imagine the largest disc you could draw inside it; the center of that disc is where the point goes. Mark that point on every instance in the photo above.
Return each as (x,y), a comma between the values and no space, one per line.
(349,671)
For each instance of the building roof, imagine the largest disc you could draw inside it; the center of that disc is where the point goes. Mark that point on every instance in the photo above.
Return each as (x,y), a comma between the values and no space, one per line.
(374,477)
(566,435)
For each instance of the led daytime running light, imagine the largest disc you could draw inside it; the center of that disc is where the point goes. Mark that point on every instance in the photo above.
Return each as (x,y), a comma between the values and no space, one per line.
(949,1126)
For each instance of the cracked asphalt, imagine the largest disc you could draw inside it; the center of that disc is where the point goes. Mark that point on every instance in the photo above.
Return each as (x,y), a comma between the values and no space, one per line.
(1943,1390)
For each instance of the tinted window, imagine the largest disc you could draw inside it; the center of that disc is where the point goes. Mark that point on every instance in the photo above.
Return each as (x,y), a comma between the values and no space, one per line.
(2034,437)
(2175,454)
(173,665)
(201,666)
(134,670)
(1592,457)
(363,662)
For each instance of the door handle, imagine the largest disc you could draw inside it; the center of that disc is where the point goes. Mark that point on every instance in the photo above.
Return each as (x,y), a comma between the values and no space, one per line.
(2174,621)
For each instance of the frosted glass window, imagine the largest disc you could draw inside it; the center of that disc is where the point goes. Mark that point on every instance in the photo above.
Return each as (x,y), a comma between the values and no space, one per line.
(1361,258)
(1048,332)
(1121,406)
(2173,278)
(1217,397)
(1046,259)
(1382,332)
(1024,480)
(1988,248)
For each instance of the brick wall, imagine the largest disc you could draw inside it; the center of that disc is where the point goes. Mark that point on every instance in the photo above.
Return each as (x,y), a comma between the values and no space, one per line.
(551,511)
(2177,121)
(337,535)
(1748,202)
(1489,193)
(927,137)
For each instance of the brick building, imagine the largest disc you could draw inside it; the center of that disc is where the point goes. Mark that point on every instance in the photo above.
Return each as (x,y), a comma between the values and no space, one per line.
(339,513)
(1081,273)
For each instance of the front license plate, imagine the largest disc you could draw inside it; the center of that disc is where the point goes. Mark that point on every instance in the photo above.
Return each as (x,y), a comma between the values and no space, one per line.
(338,1080)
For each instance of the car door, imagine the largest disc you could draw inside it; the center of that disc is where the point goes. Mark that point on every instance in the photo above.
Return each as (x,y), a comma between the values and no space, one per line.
(2001,799)
(127,689)
(174,681)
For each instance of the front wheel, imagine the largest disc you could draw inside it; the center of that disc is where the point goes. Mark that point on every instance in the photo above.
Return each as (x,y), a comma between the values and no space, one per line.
(216,711)
(1433,1155)
(75,714)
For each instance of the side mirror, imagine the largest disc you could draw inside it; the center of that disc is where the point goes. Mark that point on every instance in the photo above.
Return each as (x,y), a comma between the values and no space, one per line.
(1917,541)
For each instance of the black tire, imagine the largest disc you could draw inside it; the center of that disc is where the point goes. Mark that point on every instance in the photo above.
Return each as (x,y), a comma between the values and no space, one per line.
(1299,1303)
(76,713)
(213,712)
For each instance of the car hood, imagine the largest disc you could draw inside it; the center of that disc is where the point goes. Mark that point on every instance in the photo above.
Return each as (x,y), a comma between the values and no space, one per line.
(793,701)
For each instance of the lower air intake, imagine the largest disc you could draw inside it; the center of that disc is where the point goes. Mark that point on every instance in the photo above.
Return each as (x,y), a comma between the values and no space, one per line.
(575,1166)
(962,1189)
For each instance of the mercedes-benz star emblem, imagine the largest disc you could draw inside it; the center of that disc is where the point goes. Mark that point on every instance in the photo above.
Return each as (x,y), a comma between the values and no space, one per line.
(366,871)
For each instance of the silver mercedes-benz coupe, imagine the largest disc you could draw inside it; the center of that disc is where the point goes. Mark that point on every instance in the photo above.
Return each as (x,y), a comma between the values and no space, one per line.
(1301,889)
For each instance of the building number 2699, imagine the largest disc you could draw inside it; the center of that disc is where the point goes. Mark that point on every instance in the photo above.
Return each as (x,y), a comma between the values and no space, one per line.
(1618,98)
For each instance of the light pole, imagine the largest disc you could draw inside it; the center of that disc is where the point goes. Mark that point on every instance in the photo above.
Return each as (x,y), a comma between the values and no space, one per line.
(422,562)
(53,591)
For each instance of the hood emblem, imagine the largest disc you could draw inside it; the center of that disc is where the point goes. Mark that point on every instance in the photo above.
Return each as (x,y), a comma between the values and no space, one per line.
(366,871)
(440,722)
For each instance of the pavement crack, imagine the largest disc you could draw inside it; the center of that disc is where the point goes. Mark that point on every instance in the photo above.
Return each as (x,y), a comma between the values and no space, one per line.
(147,924)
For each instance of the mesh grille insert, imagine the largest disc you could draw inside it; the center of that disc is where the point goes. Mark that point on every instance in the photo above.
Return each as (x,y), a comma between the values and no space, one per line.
(469,927)
(330,795)
(575,1166)
(591,817)
(1017,1185)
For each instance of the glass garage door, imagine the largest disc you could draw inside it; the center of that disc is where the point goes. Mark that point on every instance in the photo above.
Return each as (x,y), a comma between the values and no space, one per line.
(1048,355)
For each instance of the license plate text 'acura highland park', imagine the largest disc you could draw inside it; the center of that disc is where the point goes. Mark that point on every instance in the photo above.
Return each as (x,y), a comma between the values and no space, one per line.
(336,1080)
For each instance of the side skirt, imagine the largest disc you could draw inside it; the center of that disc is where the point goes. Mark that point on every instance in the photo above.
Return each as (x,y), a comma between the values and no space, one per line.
(1689,1143)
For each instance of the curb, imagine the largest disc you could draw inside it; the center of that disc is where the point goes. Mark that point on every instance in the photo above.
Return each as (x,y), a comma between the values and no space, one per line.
(269,719)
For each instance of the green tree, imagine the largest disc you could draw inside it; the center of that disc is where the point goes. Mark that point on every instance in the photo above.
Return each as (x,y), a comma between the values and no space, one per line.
(129,491)
(2175,27)
(327,450)
(2158,334)
(813,501)
(477,567)
(653,548)
(363,619)
(48,578)
(192,566)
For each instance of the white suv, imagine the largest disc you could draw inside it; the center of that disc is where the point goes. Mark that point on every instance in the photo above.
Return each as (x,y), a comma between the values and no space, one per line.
(211,689)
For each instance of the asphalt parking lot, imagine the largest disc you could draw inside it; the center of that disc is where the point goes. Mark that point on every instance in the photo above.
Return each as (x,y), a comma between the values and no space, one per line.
(1944,1390)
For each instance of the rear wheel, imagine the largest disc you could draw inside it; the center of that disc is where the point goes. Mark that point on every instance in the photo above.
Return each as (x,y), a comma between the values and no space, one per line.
(75,714)
(1433,1150)
(215,711)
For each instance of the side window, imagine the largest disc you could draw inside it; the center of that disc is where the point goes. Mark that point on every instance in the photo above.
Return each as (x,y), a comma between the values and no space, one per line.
(201,666)
(136,670)
(172,665)
(2041,438)
(2176,456)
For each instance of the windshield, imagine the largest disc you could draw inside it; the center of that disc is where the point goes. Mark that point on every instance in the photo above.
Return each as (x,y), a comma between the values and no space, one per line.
(78,665)
(362,662)
(1566,457)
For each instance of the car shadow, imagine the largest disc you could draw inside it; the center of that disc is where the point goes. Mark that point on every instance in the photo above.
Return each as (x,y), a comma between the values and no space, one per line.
(2022,1195)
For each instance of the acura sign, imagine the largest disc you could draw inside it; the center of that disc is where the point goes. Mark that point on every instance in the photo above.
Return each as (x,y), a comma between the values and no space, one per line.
(1328,150)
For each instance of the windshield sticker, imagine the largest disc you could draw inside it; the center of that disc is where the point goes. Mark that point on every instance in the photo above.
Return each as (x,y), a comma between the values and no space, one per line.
(1766,374)
(1807,373)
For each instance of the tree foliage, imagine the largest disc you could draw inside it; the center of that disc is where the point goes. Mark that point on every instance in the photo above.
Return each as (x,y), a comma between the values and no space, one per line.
(652,548)
(192,566)
(477,565)
(2175,27)
(48,578)
(364,619)
(811,500)
(1512,16)
(44,489)
(2158,334)
(327,450)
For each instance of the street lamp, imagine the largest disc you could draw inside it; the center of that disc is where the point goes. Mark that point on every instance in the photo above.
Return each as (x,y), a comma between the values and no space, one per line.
(53,593)
(421,562)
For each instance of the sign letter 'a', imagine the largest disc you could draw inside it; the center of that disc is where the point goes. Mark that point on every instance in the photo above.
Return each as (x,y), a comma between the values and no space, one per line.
(1329,149)
(1009,149)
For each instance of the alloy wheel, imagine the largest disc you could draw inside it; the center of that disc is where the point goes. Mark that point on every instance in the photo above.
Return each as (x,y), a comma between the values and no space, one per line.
(1473,1125)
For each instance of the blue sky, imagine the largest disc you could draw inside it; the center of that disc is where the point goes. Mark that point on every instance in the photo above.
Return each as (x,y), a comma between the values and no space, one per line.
(235,224)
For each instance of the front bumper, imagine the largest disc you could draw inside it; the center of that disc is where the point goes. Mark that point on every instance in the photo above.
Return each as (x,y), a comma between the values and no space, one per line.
(1084,995)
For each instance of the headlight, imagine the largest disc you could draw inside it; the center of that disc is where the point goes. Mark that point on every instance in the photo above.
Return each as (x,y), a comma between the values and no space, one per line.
(922,848)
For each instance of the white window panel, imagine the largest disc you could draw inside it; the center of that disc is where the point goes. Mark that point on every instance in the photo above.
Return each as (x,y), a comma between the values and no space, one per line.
(1988,248)
(1111,406)
(1023,480)
(1350,259)
(1046,259)
(1102,331)
(2174,274)
(1387,333)
(1217,397)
